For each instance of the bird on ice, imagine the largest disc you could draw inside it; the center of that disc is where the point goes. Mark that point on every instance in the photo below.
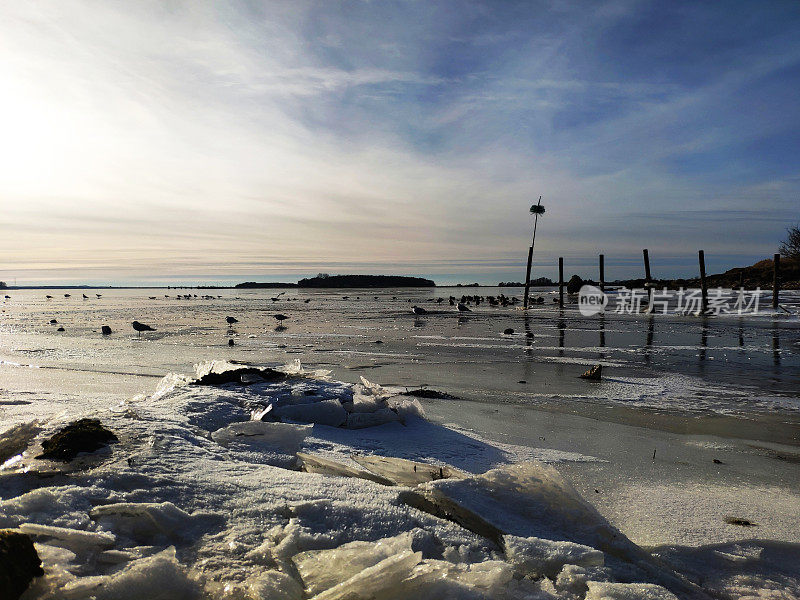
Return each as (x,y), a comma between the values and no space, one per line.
(231,320)
(418,310)
(140,327)
(463,307)
(281,317)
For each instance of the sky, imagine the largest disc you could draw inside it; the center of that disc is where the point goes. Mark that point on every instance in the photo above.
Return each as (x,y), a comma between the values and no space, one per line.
(215,142)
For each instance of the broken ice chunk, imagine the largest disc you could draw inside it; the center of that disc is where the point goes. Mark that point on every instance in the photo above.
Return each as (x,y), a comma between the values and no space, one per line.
(538,557)
(282,436)
(350,559)
(405,472)
(142,520)
(362,420)
(15,440)
(627,591)
(75,539)
(326,412)
(274,585)
(158,577)
(378,582)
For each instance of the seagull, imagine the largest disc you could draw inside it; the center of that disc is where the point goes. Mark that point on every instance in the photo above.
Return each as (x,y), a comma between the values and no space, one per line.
(463,308)
(418,310)
(85,297)
(231,320)
(140,327)
(99,295)
(49,297)
(275,298)
(66,295)
(281,317)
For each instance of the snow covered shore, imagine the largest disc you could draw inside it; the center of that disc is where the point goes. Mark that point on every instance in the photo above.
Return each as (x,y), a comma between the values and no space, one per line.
(241,483)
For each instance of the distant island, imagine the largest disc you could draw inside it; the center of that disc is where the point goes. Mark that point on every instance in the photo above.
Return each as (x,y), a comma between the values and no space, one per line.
(323,280)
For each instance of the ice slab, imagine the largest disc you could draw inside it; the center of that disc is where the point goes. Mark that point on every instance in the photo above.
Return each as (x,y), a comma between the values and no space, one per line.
(406,472)
(378,582)
(72,538)
(285,437)
(627,591)
(158,577)
(327,412)
(16,439)
(324,466)
(362,420)
(274,585)
(538,557)
(533,500)
(142,520)
(317,569)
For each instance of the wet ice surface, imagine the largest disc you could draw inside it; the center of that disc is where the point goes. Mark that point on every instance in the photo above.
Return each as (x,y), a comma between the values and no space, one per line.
(730,383)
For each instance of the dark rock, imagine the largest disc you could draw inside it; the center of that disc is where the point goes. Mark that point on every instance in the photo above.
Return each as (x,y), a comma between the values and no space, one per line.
(508,331)
(422,393)
(594,373)
(53,322)
(60,329)
(19,564)
(574,285)
(740,522)
(83,435)
(235,376)
(717,461)
(106,330)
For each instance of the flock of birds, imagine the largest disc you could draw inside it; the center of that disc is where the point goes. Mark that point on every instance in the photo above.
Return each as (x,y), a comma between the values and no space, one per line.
(462,305)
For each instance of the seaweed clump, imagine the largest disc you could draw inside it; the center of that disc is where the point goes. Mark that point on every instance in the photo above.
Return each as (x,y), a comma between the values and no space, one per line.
(83,435)
(432,394)
(19,563)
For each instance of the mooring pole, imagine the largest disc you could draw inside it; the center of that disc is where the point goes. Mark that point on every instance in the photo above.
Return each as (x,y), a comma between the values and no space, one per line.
(536,210)
(776,279)
(602,275)
(647,279)
(703,287)
(528,276)
(561,282)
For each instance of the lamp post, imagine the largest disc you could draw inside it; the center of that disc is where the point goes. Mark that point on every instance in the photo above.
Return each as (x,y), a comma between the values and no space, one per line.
(536,210)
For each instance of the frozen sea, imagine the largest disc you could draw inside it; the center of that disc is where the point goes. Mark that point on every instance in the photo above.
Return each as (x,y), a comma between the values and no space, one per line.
(695,424)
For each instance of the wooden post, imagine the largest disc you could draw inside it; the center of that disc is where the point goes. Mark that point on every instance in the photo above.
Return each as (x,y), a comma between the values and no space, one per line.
(561,281)
(647,279)
(528,277)
(602,274)
(776,279)
(703,287)
(741,279)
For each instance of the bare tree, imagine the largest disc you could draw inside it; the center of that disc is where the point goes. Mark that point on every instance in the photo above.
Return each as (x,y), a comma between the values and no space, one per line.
(790,247)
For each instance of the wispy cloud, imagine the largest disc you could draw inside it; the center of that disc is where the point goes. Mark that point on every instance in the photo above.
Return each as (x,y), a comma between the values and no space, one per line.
(221,139)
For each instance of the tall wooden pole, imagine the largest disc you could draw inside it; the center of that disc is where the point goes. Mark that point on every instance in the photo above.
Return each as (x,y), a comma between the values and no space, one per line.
(647,279)
(530,253)
(602,274)
(561,281)
(776,279)
(528,277)
(703,287)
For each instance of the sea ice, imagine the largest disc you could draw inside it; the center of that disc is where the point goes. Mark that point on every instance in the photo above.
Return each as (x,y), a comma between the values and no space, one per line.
(285,437)
(627,591)
(142,520)
(75,539)
(325,412)
(15,440)
(315,567)
(538,557)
